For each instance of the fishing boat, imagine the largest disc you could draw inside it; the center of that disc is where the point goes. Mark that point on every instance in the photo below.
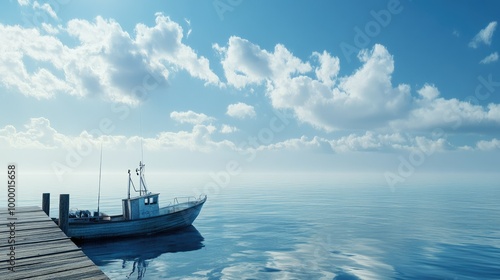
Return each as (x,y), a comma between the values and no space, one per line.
(141,215)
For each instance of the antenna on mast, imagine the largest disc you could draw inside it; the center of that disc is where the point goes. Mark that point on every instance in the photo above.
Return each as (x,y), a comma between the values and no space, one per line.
(140,131)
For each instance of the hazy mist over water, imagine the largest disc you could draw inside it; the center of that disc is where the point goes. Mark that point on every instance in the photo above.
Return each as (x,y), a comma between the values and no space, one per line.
(305,226)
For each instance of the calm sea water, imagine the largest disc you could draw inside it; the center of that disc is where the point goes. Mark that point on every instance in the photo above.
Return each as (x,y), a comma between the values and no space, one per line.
(316,227)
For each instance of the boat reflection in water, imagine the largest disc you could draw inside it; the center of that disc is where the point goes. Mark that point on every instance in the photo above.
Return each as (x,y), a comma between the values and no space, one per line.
(140,250)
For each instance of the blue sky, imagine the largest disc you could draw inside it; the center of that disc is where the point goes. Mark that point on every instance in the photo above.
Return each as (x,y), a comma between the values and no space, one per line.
(387,87)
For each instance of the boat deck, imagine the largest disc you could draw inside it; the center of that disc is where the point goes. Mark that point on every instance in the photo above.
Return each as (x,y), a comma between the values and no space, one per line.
(42,250)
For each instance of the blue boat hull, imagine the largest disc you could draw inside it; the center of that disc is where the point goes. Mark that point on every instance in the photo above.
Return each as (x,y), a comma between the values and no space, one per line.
(172,220)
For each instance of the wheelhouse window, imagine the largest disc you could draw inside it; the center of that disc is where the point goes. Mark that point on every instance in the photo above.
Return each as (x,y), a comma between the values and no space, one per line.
(150,200)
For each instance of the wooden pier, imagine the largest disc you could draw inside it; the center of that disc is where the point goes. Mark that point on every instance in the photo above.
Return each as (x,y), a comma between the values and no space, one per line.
(42,250)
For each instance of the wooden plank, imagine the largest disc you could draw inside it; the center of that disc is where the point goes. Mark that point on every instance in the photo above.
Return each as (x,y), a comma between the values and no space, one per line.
(48,232)
(79,273)
(30,236)
(70,256)
(20,225)
(18,213)
(42,250)
(22,214)
(57,267)
(22,209)
(24,221)
(28,226)
(25,217)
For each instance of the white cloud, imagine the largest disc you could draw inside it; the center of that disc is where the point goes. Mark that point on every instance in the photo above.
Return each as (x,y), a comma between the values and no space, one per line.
(245,63)
(240,110)
(429,92)
(394,142)
(362,100)
(490,58)
(50,29)
(329,68)
(429,146)
(15,44)
(163,42)
(190,117)
(23,2)
(100,62)
(39,146)
(46,8)
(484,36)
(448,114)
(365,99)
(199,139)
(368,142)
(300,144)
(189,25)
(37,134)
(484,145)
(226,129)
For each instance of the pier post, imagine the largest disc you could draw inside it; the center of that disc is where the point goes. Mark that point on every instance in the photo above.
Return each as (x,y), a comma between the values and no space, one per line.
(46,203)
(64,212)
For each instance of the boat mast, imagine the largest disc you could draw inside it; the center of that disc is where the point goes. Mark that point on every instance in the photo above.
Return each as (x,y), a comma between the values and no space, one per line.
(99,192)
(140,131)
(129,182)
(140,173)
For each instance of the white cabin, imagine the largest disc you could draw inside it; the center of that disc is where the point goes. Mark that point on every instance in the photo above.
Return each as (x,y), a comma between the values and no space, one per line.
(140,207)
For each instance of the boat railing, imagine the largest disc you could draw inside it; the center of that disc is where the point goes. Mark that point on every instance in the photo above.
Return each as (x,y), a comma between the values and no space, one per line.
(182,202)
(187,199)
